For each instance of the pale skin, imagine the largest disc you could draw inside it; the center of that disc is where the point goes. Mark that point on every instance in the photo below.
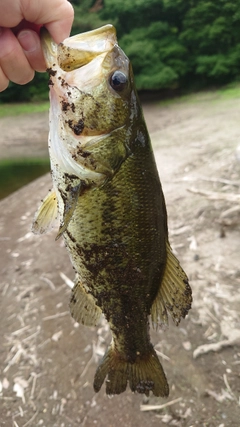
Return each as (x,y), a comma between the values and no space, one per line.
(20,49)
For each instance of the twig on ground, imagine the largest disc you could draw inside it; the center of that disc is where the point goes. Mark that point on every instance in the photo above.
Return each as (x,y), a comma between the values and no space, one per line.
(207,179)
(229,388)
(66,280)
(230,211)
(206,348)
(219,397)
(163,356)
(158,407)
(56,316)
(92,358)
(212,195)
(48,281)
(31,419)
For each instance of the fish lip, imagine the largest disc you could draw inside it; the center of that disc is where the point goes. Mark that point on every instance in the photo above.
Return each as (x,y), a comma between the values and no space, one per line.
(77,51)
(97,49)
(95,38)
(49,47)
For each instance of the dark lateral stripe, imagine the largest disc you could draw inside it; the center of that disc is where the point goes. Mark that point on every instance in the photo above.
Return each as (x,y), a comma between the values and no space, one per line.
(70,236)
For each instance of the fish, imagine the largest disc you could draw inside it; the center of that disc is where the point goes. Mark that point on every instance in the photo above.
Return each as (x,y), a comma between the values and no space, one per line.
(108,197)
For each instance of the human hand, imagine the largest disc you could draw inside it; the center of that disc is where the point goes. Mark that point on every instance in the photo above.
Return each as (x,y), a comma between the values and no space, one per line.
(20,48)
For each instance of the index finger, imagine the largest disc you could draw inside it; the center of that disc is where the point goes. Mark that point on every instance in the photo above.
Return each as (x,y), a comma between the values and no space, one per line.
(56,15)
(59,21)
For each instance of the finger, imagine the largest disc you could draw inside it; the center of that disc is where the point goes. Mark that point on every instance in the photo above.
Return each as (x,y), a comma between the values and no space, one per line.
(13,62)
(26,25)
(31,45)
(56,15)
(4,82)
(57,19)
(61,26)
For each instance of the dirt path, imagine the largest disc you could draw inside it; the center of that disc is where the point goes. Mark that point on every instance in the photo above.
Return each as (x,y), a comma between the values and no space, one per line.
(24,136)
(48,362)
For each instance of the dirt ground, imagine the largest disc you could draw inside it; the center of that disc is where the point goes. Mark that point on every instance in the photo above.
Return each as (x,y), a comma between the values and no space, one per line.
(48,361)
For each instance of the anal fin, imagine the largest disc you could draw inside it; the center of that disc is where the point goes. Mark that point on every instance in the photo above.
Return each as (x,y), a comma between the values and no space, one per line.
(174,295)
(82,306)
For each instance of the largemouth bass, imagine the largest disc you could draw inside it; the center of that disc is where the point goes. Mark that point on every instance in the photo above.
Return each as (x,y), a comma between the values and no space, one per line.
(107,193)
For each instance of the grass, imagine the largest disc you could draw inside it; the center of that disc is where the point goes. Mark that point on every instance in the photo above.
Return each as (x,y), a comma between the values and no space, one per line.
(23,108)
(230,91)
(15,173)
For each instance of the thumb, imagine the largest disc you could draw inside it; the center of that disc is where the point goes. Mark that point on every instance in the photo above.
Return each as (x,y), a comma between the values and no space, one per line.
(31,45)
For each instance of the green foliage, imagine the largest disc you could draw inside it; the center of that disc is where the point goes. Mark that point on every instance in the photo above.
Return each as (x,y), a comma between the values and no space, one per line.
(129,15)
(212,36)
(36,90)
(171,43)
(157,57)
(86,16)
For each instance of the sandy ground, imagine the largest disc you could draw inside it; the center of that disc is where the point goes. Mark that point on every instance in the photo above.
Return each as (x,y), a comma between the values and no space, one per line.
(48,362)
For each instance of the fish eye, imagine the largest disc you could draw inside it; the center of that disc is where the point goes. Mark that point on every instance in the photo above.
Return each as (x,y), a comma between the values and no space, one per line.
(118,81)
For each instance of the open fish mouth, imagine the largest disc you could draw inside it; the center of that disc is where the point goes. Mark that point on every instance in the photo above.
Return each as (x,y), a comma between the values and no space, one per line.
(80,58)
(79,50)
(85,47)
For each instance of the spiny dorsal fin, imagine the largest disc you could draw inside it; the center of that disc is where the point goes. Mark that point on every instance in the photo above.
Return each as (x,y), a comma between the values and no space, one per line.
(47,214)
(174,295)
(82,306)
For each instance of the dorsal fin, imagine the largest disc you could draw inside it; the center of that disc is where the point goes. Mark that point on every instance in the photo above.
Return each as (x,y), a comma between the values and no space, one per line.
(174,295)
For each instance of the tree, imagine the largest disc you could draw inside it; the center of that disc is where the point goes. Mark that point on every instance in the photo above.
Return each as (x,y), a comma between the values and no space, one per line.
(158,59)
(211,34)
(171,43)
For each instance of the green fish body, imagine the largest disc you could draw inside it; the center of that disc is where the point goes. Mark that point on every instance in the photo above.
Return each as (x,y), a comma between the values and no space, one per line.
(107,193)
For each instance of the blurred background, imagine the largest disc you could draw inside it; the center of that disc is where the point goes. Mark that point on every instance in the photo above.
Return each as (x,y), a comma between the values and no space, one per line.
(186,60)
(175,46)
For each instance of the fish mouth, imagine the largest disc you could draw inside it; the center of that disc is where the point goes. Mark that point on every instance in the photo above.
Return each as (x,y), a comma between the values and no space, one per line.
(76,67)
(77,51)
(79,61)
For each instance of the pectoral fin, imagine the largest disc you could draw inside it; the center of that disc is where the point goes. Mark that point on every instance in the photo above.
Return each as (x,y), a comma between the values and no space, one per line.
(70,202)
(82,306)
(46,215)
(174,295)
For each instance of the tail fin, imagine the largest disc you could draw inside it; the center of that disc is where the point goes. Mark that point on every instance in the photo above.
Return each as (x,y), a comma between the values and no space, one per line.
(144,375)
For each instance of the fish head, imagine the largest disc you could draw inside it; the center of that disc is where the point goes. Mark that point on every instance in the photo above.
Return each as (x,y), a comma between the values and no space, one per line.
(92,97)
